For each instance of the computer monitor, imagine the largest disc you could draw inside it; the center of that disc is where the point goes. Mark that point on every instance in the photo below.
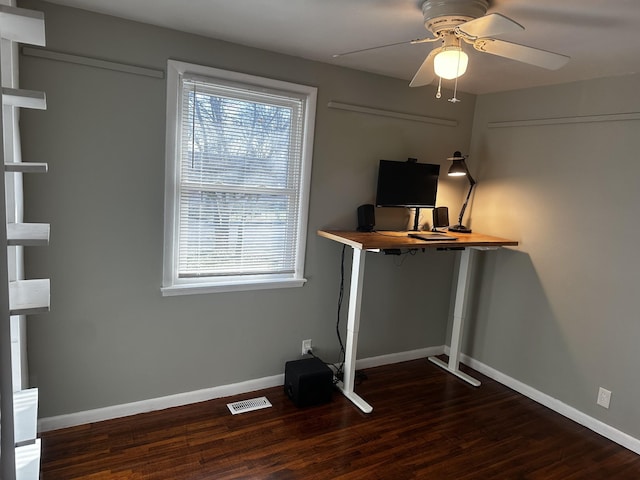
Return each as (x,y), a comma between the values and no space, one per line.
(407,184)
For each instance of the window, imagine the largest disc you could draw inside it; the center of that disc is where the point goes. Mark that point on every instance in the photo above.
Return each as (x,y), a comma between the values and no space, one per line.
(238,169)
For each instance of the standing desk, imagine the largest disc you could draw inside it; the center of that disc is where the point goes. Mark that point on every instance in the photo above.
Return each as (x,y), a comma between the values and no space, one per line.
(361,242)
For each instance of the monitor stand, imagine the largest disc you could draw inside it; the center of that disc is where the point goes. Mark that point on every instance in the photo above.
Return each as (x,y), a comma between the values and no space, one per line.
(416,220)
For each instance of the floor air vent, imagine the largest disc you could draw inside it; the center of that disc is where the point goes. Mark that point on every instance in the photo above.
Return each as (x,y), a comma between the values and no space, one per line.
(244,406)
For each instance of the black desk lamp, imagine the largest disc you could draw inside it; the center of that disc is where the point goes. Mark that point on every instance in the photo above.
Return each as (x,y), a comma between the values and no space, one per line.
(458,169)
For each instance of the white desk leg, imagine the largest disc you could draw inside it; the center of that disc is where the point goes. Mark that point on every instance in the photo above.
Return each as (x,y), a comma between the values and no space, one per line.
(459,312)
(353,325)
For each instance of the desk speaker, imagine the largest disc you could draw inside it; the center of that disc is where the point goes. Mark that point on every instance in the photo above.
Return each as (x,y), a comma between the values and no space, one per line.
(440,217)
(366,218)
(308,382)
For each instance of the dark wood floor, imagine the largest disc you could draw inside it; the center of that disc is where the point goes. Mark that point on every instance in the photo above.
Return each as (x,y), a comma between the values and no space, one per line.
(425,424)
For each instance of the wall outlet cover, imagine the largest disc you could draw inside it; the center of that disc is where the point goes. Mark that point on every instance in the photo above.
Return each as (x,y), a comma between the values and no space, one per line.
(604,397)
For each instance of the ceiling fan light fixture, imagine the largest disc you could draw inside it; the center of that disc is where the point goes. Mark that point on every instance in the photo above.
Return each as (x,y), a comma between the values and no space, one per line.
(451,62)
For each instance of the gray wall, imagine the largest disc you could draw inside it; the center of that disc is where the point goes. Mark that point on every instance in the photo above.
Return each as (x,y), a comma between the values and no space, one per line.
(111,338)
(560,313)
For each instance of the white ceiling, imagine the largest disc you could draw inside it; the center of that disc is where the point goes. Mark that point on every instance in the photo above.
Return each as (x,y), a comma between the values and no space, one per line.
(601,36)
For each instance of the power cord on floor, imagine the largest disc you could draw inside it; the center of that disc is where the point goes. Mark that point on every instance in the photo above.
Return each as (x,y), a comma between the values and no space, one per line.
(360,377)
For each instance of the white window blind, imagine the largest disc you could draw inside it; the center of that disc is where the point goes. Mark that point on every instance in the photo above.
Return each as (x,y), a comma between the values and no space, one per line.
(240,195)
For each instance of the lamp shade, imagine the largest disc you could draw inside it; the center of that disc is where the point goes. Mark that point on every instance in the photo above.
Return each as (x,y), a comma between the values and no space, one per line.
(451,62)
(457,168)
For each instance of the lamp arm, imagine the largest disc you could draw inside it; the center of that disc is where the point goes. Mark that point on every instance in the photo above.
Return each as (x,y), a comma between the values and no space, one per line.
(459,167)
(472,183)
(466,201)
(469,177)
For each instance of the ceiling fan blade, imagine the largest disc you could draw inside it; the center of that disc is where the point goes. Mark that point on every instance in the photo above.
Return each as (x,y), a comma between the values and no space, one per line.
(521,53)
(489,26)
(425,74)
(415,41)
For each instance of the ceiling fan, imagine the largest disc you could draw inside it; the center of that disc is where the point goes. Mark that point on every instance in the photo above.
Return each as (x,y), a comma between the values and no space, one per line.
(455,21)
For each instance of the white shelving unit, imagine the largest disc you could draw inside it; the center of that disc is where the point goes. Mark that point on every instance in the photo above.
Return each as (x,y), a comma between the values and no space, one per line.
(19,445)
(28,234)
(25,415)
(28,297)
(23,98)
(26,167)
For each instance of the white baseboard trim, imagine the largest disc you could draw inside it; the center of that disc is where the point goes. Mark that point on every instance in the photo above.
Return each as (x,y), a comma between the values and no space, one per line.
(399,357)
(143,406)
(153,404)
(554,404)
(124,410)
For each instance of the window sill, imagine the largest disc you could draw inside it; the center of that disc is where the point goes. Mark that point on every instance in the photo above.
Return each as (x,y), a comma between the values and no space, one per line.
(194,288)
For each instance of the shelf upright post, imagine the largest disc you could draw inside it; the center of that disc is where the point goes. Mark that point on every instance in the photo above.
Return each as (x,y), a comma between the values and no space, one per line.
(7,434)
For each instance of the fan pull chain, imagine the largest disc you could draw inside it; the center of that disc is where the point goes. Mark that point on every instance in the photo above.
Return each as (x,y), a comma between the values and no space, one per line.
(439,93)
(455,90)
(455,87)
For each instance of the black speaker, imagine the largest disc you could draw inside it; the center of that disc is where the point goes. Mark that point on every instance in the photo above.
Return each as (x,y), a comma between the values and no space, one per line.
(308,382)
(440,217)
(366,218)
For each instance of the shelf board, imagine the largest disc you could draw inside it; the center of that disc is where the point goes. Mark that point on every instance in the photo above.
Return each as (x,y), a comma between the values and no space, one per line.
(22,25)
(25,408)
(28,234)
(24,98)
(26,167)
(29,297)
(28,461)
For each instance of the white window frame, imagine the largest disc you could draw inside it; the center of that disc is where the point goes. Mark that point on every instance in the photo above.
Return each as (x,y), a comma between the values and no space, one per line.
(172,284)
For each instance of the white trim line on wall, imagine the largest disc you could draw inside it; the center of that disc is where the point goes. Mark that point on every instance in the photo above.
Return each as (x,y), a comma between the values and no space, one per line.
(554,404)
(392,114)
(607,117)
(92,62)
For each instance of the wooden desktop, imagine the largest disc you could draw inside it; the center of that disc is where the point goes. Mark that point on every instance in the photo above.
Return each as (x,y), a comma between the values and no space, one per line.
(361,242)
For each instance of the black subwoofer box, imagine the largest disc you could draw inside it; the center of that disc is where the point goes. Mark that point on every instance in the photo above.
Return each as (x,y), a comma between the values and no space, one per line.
(308,382)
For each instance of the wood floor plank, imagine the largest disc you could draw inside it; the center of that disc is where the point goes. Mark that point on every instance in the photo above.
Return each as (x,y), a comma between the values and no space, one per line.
(426,424)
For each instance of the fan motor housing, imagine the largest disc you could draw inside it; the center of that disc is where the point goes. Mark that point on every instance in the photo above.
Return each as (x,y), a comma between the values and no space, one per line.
(445,15)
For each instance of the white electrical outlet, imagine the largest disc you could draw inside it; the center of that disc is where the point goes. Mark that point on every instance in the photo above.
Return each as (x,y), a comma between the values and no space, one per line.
(604,397)
(306,346)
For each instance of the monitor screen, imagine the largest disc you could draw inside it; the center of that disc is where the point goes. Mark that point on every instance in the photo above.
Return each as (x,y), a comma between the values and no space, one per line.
(407,184)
